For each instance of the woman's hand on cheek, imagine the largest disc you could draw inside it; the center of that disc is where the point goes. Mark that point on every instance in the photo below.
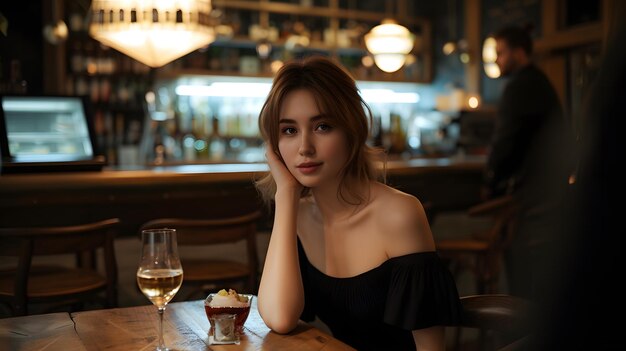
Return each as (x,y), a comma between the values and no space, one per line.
(283,178)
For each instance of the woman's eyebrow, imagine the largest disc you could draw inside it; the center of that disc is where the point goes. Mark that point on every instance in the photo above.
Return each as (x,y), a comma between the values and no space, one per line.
(312,119)
(286,120)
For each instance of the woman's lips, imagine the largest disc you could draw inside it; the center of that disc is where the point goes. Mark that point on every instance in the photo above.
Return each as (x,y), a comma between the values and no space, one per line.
(309,167)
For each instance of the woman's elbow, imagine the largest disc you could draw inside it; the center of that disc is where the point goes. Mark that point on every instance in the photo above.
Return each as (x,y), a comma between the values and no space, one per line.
(280,325)
(280,322)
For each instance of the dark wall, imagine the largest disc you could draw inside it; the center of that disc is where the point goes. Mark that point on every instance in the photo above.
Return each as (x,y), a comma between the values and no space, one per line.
(23,43)
(448,24)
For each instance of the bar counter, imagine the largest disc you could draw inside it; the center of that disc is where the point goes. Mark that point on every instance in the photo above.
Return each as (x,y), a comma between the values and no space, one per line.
(202,191)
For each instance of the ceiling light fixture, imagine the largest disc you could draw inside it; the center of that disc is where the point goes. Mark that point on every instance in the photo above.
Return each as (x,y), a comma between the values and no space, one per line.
(154,32)
(55,33)
(389,43)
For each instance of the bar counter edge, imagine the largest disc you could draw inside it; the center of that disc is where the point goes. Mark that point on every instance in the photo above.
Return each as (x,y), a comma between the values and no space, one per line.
(203,191)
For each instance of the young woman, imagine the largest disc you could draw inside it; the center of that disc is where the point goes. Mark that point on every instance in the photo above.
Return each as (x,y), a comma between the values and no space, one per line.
(344,247)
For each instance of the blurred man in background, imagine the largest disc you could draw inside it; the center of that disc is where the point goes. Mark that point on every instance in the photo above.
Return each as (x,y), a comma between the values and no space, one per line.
(529,155)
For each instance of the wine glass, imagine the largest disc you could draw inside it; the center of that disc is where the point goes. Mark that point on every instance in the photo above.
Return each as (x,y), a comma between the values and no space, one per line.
(160,273)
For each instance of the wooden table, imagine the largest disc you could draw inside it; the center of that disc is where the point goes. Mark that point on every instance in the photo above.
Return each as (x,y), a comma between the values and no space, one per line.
(185,327)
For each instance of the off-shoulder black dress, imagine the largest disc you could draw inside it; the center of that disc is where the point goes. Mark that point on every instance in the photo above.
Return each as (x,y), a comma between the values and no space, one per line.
(378,309)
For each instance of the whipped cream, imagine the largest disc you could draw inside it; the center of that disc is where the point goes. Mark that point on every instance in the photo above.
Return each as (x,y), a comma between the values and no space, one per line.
(231,300)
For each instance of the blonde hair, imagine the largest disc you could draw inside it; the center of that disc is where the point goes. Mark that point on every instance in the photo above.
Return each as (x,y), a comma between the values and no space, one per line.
(338,97)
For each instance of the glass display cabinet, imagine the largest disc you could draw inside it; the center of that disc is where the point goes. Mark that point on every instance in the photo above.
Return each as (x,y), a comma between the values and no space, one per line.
(47,133)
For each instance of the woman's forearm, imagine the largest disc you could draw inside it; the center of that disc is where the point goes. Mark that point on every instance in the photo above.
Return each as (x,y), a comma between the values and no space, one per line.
(430,339)
(281,294)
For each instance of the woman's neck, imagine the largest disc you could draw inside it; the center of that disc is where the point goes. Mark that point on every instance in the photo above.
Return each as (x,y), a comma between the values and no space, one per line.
(333,207)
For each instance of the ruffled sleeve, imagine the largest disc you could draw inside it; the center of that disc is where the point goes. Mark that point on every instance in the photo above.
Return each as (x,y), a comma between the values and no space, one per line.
(422,293)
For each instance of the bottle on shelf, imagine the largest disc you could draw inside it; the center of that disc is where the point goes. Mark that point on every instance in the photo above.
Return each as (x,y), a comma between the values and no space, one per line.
(110,144)
(77,64)
(217,144)
(18,84)
(397,134)
(200,140)
(377,131)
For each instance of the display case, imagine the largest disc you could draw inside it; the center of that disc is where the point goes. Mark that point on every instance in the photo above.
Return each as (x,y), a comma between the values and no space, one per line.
(47,133)
(199,119)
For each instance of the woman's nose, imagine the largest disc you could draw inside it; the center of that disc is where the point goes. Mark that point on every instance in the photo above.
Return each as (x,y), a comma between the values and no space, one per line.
(306,145)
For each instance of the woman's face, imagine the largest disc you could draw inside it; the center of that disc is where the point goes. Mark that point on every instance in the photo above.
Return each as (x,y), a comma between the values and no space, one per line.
(312,146)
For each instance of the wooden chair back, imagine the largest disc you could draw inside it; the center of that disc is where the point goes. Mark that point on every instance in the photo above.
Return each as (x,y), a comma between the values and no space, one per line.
(190,232)
(482,252)
(211,273)
(31,283)
(502,212)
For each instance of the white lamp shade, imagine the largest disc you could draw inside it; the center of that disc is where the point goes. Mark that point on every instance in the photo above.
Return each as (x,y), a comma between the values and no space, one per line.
(491,70)
(154,32)
(489,50)
(389,37)
(489,58)
(157,46)
(389,42)
(389,62)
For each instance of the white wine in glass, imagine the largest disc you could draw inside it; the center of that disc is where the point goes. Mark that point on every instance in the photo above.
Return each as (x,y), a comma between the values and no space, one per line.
(160,273)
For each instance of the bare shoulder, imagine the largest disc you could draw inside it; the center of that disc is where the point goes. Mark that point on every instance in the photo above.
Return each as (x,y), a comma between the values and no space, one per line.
(401,220)
(394,203)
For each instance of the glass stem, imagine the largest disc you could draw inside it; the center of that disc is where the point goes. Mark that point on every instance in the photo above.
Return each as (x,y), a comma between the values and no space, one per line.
(161,346)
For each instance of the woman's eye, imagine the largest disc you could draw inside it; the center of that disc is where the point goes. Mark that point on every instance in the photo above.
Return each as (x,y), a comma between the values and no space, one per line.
(324,127)
(289,130)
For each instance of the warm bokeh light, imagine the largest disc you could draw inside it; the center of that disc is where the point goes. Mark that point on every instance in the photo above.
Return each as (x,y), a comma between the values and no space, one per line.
(571,179)
(263,49)
(489,58)
(473,102)
(489,50)
(449,48)
(367,61)
(56,33)
(410,59)
(492,70)
(389,62)
(464,57)
(276,65)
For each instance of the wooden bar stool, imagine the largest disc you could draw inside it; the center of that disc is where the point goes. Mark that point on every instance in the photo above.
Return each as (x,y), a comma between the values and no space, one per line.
(28,283)
(210,273)
(482,252)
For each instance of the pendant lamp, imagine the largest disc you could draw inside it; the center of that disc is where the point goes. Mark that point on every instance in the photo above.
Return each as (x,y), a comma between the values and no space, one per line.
(389,43)
(154,32)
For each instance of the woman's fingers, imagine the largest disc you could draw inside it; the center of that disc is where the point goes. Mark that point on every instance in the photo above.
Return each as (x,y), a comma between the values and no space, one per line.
(272,159)
(281,174)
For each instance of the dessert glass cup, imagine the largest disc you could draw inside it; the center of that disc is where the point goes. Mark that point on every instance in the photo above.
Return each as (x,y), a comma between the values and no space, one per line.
(241,313)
